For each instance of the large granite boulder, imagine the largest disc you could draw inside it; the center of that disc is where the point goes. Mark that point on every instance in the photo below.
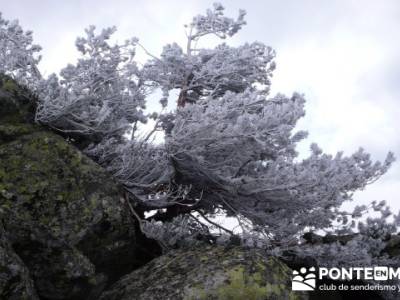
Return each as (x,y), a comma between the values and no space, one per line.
(207,273)
(66,214)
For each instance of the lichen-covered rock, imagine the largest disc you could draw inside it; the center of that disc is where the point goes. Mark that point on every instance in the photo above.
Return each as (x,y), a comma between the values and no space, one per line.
(15,281)
(64,211)
(207,273)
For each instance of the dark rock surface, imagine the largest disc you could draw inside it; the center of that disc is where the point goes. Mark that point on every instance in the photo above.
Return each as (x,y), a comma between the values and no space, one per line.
(64,213)
(15,280)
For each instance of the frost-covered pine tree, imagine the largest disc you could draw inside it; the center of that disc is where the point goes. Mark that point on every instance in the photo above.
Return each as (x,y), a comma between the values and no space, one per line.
(229,146)
(99,97)
(18,55)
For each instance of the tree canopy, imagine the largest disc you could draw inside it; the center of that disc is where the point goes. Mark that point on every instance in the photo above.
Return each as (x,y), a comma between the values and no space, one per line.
(229,146)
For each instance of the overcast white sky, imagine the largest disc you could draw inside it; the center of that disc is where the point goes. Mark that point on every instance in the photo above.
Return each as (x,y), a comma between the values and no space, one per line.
(343,55)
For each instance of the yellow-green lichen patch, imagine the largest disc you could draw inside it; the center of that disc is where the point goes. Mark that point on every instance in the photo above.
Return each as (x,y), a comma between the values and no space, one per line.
(10,85)
(242,286)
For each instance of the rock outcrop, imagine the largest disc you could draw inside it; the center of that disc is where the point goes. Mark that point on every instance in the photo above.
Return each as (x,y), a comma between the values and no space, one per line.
(63,212)
(207,273)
